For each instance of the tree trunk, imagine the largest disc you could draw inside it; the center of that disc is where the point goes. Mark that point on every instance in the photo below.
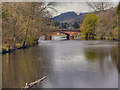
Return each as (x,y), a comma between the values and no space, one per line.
(24,43)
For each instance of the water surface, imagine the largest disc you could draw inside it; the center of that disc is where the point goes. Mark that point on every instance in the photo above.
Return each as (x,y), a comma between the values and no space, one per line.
(67,64)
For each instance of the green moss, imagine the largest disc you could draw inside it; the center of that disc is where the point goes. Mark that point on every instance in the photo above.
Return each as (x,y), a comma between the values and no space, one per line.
(5,48)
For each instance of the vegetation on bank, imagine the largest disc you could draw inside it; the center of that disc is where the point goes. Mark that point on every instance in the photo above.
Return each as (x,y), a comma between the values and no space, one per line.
(23,23)
(102,25)
(88,26)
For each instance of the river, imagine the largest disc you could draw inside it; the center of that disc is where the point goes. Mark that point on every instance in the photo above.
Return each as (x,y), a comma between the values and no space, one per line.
(66,63)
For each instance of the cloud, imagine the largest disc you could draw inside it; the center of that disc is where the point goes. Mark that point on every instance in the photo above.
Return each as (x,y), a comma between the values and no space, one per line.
(78,7)
(82,0)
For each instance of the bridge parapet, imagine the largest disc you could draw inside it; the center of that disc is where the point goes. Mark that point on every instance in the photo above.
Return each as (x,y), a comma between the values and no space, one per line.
(68,32)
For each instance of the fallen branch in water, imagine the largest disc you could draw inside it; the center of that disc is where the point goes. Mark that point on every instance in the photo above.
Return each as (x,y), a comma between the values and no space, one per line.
(34,83)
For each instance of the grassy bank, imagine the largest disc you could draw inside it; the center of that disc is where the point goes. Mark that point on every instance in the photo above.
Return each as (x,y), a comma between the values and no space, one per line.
(6,49)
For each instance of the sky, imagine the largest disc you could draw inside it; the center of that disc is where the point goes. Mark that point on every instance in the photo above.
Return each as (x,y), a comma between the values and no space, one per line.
(62,6)
(78,7)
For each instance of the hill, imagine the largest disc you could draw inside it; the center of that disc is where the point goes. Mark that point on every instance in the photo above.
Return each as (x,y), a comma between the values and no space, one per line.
(70,17)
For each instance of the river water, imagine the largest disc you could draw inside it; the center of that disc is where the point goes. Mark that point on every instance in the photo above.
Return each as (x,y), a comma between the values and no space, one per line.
(66,63)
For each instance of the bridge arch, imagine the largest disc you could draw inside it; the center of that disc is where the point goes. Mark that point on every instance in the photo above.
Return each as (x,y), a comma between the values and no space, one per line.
(68,35)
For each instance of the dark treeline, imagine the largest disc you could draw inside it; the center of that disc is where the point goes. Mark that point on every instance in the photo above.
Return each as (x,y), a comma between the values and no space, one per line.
(66,25)
(23,23)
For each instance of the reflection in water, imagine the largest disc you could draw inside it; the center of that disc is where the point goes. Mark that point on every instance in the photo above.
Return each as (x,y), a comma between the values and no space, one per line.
(22,66)
(103,55)
(91,54)
(73,64)
(105,59)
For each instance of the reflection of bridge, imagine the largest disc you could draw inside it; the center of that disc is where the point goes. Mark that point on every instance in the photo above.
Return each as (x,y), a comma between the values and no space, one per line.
(68,32)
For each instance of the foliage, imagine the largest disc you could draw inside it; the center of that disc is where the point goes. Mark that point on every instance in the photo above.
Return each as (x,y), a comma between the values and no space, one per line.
(101,25)
(23,23)
(65,25)
(107,25)
(56,23)
(118,16)
(89,25)
(76,25)
(118,9)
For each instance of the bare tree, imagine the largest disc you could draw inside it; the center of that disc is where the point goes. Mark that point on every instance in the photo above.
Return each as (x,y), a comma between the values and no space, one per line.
(23,23)
(100,6)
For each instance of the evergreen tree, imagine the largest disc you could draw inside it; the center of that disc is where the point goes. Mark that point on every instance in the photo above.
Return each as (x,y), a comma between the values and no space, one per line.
(76,25)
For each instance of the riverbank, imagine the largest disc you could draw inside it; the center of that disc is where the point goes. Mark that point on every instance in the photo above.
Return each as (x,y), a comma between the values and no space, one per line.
(5,49)
(95,38)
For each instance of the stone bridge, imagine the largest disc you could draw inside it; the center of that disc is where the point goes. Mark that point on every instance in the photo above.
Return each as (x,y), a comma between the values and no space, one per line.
(68,32)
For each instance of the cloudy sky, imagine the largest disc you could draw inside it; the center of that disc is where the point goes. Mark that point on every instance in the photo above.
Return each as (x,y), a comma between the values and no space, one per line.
(78,6)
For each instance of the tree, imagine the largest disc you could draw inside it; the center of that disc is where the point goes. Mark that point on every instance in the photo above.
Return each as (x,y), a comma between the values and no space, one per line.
(89,25)
(76,25)
(100,6)
(118,9)
(118,16)
(23,23)
(107,25)
(56,23)
(65,25)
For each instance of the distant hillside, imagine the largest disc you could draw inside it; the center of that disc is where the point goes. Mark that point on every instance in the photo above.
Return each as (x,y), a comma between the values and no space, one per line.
(70,17)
